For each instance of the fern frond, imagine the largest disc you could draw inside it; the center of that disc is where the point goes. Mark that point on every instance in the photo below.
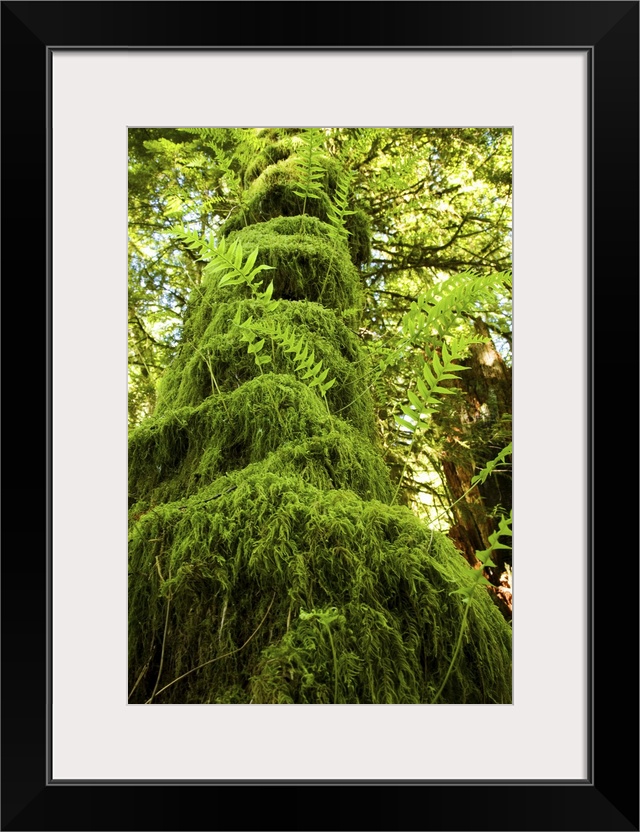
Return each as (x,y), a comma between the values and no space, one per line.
(305,363)
(228,266)
(309,165)
(224,260)
(205,248)
(338,208)
(504,530)
(424,400)
(435,311)
(490,467)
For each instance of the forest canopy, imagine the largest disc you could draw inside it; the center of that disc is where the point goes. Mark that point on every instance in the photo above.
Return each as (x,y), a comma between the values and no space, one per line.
(320,344)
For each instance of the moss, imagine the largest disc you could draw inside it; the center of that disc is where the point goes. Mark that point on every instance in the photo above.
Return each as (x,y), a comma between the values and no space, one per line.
(180,451)
(220,362)
(275,151)
(326,598)
(273,194)
(359,240)
(307,265)
(266,562)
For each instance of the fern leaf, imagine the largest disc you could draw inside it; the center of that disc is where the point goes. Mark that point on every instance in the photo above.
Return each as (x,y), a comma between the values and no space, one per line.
(312,372)
(338,208)
(490,467)
(251,259)
(256,346)
(327,386)
(310,168)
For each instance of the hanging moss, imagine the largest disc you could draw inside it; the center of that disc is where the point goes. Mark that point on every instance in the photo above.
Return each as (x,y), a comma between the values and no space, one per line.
(209,298)
(357,593)
(273,194)
(179,451)
(307,265)
(267,563)
(359,240)
(275,151)
(221,362)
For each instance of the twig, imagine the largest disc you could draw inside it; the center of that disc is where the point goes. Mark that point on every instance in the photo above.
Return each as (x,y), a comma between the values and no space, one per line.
(217,658)
(209,499)
(164,635)
(142,672)
(455,654)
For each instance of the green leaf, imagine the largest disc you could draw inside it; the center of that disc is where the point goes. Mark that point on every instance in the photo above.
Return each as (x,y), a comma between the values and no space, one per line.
(257,270)
(301,356)
(227,280)
(415,401)
(268,291)
(251,259)
(492,464)
(256,347)
(174,206)
(319,379)
(428,375)
(422,388)
(312,372)
(307,363)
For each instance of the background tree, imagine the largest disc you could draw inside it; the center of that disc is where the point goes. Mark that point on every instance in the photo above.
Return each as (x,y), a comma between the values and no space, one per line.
(266,402)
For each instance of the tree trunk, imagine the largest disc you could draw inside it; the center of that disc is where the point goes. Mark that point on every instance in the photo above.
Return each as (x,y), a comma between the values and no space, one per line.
(484,426)
(267,564)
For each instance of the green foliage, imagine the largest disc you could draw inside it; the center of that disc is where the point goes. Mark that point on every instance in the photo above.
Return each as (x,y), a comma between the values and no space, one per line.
(338,211)
(274,418)
(224,261)
(504,530)
(436,311)
(484,556)
(468,590)
(491,466)
(423,400)
(267,561)
(305,361)
(307,263)
(323,563)
(424,360)
(435,201)
(309,166)
(276,193)
(222,355)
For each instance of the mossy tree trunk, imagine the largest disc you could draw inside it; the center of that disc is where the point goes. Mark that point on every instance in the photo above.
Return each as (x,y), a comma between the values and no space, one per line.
(268,563)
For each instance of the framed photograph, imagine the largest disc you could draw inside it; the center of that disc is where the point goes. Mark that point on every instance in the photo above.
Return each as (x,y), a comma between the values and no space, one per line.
(561,80)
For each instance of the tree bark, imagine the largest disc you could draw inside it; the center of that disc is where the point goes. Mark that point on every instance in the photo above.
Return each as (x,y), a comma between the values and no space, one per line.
(483,426)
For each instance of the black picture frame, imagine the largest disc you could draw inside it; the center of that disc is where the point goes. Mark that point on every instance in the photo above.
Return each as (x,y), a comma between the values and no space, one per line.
(608,799)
